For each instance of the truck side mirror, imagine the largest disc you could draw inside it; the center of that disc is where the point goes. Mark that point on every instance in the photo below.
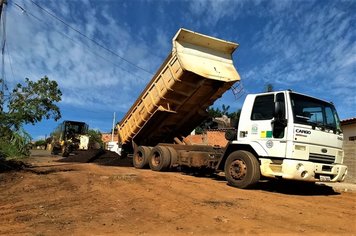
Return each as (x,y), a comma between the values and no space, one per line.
(278,112)
(279,122)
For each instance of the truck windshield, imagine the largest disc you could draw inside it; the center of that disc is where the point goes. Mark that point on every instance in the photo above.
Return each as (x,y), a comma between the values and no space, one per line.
(314,112)
(76,127)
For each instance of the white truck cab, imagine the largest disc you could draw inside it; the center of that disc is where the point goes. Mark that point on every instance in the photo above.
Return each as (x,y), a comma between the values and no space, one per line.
(293,136)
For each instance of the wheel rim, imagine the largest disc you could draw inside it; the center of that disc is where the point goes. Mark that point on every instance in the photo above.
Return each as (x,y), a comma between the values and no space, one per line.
(139,157)
(238,169)
(156,159)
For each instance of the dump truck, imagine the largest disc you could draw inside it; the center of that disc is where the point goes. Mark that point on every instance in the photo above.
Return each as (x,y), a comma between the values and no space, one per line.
(281,135)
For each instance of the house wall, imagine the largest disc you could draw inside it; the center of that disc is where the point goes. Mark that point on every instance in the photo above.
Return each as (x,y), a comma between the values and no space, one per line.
(211,137)
(106,137)
(349,130)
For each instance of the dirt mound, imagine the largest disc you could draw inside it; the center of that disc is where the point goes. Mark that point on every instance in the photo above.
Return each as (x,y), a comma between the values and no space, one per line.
(101,157)
(9,165)
(109,158)
(83,156)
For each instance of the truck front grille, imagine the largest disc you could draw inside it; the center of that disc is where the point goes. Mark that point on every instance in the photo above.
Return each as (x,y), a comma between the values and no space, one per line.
(321,158)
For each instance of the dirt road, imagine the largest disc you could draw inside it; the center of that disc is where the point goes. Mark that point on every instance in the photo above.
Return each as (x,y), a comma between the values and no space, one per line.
(53,198)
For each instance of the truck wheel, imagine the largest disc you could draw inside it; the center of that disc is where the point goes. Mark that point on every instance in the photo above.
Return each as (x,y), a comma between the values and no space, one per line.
(173,156)
(242,170)
(160,158)
(140,158)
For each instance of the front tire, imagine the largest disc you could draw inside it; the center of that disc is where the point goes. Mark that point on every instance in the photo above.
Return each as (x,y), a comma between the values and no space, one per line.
(242,170)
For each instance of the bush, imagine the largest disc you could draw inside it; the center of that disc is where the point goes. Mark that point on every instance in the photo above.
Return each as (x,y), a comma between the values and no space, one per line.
(40,143)
(16,145)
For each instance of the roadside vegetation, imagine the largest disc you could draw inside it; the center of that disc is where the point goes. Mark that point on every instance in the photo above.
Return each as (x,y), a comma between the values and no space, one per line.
(95,138)
(27,103)
(217,112)
(224,111)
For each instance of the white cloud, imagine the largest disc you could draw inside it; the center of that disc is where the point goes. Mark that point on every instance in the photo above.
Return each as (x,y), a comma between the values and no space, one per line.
(313,46)
(88,75)
(211,11)
(304,45)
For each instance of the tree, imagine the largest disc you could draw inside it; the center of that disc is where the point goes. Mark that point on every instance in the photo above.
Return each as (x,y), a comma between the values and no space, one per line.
(225,109)
(28,104)
(269,88)
(216,112)
(95,138)
(41,142)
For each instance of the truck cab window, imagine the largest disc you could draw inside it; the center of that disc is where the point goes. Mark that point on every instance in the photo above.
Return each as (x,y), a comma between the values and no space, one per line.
(263,107)
(311,111)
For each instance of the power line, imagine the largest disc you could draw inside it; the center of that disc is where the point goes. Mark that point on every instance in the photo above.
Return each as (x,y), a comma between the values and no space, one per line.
(87,37)
(74,41)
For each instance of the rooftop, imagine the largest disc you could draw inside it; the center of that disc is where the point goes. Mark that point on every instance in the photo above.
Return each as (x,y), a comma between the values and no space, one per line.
(349,121)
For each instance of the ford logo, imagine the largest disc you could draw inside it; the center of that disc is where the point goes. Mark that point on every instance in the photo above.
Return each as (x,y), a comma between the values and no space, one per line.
(324,150)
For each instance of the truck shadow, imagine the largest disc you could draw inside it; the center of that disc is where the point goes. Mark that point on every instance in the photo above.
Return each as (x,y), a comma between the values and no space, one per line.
(295,188)
(276,186)
(99,157)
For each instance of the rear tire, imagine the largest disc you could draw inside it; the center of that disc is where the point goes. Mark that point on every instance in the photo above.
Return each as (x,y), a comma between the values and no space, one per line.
(160,158)
(140,158)
(242,170)
(173,157)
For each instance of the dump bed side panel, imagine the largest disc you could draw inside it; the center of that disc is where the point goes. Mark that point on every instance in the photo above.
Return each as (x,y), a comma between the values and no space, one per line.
(176,99)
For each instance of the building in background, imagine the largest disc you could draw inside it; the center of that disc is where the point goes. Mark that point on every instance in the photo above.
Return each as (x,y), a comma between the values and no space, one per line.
(349,129)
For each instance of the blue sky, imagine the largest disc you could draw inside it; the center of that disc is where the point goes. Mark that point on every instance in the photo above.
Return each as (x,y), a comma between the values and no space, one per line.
(307,46)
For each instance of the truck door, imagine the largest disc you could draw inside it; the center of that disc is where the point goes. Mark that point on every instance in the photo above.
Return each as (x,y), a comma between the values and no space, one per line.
(268,123)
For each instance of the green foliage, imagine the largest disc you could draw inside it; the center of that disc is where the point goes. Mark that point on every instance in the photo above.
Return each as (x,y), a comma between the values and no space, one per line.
(40,143)
(27,103)
(30,103)
(95,137)
(16,145)
(217,112)
(199,129)
(269,88)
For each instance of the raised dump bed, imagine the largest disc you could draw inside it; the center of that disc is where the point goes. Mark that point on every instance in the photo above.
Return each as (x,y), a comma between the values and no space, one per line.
(196,73)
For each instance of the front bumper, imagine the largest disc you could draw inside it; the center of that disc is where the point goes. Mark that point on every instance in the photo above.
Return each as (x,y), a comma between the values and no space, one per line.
(303,170)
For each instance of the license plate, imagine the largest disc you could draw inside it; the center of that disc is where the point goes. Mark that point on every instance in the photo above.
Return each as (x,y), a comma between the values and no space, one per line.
(325,178)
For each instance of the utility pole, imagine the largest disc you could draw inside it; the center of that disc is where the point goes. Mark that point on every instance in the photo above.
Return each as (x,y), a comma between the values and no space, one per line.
(2,82)
(113,129)
(2,2)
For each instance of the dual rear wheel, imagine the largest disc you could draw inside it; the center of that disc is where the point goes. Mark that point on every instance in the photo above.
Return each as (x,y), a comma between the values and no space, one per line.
(159,158)
(242,169)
